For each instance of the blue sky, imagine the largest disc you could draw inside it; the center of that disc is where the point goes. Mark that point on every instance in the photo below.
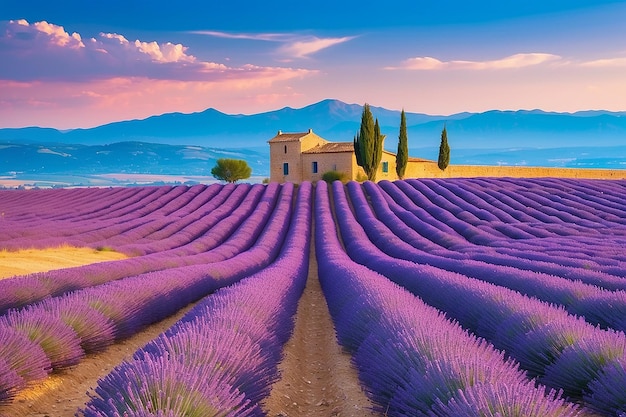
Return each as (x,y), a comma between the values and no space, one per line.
(66,66)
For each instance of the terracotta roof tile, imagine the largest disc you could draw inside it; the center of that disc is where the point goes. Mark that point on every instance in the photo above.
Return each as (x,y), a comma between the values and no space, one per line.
(288,137)
(332,147)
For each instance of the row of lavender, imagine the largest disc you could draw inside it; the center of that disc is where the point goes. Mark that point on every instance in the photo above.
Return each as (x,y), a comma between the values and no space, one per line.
(562,350)
(236,218)
(222,357)
(411,359)
(523,220)
(132,225)
(601,306)
(58,331)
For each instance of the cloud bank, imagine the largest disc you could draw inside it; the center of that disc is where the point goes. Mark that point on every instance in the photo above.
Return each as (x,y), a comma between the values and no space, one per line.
(43,51)
(50,77)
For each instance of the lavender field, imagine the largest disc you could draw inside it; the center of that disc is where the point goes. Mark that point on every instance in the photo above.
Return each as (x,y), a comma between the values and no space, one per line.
(454,297)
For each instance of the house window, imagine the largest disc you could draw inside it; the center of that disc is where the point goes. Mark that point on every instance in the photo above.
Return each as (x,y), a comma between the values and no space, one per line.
(286,168)
(314,167)
(285,148)
(385,167)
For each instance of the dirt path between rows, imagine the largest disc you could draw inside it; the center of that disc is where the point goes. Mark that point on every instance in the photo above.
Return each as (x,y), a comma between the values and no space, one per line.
(318,379)
(317,376)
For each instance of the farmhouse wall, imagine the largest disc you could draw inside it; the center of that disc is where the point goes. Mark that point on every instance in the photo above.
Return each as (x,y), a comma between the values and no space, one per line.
(337,161)
(287,148)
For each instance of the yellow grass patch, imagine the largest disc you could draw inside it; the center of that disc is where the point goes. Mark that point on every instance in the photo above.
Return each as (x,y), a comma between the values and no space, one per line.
(40,260)
(40,388)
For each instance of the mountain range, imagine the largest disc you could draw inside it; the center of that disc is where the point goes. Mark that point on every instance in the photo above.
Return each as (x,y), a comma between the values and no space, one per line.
(337,121)
(189,144)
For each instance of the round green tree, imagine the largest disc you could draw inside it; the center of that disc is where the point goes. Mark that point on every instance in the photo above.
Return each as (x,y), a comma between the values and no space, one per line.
(231,170)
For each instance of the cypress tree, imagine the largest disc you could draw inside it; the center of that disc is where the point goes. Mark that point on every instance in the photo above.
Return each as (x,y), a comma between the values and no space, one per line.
(377,153)
(368,144)
(364,140)
(402,156)
(444,150)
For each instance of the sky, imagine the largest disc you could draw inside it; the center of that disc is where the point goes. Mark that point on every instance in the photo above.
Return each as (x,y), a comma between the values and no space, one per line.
(66,66)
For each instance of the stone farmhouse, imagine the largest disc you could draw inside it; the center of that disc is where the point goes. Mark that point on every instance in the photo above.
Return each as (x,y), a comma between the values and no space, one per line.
(297,157)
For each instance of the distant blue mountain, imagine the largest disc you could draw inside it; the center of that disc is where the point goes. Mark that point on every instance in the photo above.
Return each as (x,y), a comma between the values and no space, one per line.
(338,121)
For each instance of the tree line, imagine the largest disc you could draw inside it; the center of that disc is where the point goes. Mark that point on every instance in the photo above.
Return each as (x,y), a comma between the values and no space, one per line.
(368,146)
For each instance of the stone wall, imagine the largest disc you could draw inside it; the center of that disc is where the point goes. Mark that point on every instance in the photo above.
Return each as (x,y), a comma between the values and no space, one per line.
(431,170)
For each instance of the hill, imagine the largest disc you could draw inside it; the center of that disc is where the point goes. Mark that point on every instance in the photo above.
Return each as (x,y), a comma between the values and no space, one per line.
(19,160)
(338,121)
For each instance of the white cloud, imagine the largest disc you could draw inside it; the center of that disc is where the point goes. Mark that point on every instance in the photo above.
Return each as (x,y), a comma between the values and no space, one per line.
(606,63)
(293,45)
(513,61)
(56,34)
(308,46)
(273,37)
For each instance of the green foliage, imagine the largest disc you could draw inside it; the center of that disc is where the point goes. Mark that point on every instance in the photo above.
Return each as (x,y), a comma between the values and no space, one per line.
(330,176)
(444,150)
(231,170)
(360,177)
(368,144)
(363,141)
(266,180)
(402,156)
(104,249)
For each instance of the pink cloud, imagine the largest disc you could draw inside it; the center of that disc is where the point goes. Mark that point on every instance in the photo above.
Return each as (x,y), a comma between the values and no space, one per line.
(50,77)
(44,51)
(513,61)
(606,63)
(68,105)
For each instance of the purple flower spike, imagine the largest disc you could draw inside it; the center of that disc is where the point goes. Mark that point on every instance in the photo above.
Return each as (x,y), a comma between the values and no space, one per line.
(95,330)
(58,340)
(506,400)
(10,382)
(606,393)
(582,362)
(164,387)
(21,361)
(19,291)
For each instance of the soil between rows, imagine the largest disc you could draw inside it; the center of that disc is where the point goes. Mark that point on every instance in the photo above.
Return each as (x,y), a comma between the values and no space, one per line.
(317,376)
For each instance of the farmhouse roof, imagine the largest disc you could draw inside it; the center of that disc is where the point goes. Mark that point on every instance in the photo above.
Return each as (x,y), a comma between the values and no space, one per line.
(332,147)
(289,137)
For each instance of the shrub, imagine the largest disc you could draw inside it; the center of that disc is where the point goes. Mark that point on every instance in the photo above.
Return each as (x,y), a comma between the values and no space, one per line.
(330,176)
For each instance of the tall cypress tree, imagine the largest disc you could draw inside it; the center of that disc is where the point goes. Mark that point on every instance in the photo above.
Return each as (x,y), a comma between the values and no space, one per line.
(402,156)
(377,152)
(363,142)
(444,150)
(368,144)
